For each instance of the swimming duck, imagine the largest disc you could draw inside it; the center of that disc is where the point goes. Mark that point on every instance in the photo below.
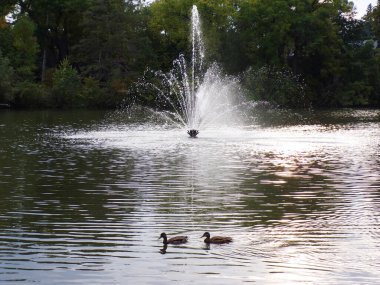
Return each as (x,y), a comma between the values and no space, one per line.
(216,239)
(173,240)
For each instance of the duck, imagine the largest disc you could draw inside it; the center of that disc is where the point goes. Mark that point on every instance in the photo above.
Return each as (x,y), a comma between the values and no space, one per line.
(216,239)
(173,240)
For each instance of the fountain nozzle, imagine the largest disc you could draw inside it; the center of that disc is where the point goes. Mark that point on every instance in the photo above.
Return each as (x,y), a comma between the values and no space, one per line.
(193,133)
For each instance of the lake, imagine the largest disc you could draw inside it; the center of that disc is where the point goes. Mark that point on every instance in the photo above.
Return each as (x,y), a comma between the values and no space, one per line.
(85,197)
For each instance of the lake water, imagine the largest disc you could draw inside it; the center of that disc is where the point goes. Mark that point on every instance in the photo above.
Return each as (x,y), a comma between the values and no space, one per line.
(84,199)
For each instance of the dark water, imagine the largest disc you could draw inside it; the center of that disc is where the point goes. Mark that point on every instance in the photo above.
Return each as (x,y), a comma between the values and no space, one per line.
(84,200)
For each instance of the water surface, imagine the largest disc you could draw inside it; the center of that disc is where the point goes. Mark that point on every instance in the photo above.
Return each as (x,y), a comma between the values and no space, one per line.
(84,200)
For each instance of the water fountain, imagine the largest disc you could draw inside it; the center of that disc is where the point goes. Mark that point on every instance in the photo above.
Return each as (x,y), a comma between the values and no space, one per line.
(197,96)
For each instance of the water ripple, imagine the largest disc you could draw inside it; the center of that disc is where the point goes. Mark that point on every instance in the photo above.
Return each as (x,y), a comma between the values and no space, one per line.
(87,205)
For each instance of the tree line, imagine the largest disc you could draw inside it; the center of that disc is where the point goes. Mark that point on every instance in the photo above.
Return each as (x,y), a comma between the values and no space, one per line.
(89,53)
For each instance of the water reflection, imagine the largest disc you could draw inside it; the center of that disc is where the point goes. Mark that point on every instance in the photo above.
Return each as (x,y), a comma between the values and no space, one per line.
(83,201)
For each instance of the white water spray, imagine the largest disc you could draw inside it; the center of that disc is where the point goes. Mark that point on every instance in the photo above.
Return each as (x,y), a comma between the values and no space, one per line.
(199,97)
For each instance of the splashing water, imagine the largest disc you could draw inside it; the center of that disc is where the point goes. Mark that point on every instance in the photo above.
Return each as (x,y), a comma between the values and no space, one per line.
(194,96)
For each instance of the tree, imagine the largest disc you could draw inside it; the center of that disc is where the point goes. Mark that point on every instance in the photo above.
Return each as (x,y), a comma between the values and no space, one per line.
(170,23)
(66,86)
(169,27)
(6,80)
(24,56)
(374,18)
(265,29)
(107,51)
(56,26)
(300,34)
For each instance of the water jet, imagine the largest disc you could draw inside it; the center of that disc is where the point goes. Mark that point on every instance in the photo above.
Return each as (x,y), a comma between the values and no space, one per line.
(195,95)
(193,133)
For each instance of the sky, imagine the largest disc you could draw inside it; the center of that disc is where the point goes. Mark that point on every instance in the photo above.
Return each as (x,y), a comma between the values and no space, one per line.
(361,6)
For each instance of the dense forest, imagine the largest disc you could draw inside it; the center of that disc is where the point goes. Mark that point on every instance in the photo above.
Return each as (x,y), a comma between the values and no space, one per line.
(89,53)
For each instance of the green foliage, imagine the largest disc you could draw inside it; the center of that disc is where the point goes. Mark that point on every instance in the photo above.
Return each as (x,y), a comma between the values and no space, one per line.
(169,29)
(5,7)
(105,53)
(218,20)
(111,42)
(92,94)
(169,24)
(6,80)
(31,95)
(266,31)
(374,19)
(56,23)
(300,35)
(361,78)
(25,49)
(6,40)
(66,86)
(277,86)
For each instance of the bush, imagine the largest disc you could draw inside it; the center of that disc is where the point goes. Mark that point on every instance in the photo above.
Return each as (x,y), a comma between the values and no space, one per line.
(92,94)
(31,95)
(66,86)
